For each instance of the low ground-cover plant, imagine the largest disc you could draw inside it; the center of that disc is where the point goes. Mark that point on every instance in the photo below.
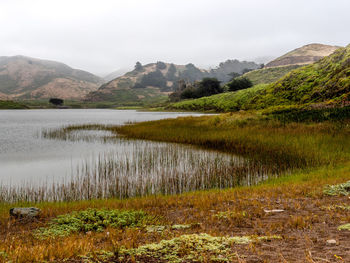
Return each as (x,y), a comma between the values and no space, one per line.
(338,189)
(92,220)
(192,248)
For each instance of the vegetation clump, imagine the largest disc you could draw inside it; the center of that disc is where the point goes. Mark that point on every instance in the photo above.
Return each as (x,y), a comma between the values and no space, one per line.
(338,189)
(344,227)
(192,248)
(239,84)
(6,104)
(92,220)
(203,88)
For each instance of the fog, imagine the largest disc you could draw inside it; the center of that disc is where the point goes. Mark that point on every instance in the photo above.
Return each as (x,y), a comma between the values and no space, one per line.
(105,35)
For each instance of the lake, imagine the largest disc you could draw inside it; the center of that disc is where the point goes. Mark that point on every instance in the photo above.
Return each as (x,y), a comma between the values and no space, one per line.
(95,163)
(25,156)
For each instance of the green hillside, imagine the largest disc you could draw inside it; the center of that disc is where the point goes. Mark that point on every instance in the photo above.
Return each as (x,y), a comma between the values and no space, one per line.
(268,75)
(229,101)
(321,84)
(325,81)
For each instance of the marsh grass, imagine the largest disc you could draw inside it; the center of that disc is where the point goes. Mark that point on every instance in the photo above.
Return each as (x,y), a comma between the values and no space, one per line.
(142,168)
(266,149)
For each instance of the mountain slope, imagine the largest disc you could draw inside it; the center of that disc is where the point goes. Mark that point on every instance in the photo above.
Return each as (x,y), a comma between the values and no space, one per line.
(326,81)
(30,78)
(304,55)
(156,80)
(269,75)
(323,84)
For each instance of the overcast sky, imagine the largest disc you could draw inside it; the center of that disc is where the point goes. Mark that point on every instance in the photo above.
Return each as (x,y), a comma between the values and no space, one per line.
(101,36)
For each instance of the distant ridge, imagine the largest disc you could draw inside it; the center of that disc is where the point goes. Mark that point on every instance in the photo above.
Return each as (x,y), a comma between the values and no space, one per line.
(31,78)
(154,80)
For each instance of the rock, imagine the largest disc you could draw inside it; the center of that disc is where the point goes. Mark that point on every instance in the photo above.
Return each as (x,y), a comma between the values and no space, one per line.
(273,211)
(331,242)
(24,212)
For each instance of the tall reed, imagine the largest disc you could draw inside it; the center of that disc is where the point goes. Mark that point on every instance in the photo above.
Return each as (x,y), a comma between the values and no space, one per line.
(145,168)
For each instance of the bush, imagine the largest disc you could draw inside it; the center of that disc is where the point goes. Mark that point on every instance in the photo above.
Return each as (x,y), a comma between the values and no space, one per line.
(239,84)
(208,87)
(56,101)
(92,220)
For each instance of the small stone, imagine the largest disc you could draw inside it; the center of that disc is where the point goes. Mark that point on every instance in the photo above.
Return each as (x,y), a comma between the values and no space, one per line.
(24,212)
(331,242)
(273,211)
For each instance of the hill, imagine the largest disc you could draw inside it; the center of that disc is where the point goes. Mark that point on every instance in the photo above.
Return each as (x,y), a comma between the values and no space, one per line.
(30,78)
(304,55)
(326,81)
(279,67)
(154,81)
(323,84)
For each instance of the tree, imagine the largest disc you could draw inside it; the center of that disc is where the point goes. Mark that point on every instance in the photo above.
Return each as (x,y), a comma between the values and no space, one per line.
(234,75)
(208,87)
(138,66)
(155,79)
(161,65)
(246,70)
(56,101)
(170,75)
(138,86)
(176,95)
(239,83)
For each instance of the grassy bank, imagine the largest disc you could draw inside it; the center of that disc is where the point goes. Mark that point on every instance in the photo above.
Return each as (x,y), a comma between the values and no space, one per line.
(287,144)
(6,104)
(227,225)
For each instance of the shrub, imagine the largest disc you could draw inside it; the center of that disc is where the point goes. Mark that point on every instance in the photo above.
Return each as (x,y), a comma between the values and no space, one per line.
(92,220)
(239,84)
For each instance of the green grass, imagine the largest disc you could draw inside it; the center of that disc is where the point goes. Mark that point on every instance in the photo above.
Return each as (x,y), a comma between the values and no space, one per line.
(11,105)
(224,102)
(269,75)
(298,145)
(130,97)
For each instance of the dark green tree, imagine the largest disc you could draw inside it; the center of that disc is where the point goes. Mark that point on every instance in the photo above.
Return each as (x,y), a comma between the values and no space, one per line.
(161,65)
(170,75)
(239,83)
(138,66)
(155,79)
(56,101)
(208,87)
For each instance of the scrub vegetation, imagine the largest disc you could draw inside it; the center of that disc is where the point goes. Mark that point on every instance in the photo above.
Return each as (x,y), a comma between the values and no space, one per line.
(6,104)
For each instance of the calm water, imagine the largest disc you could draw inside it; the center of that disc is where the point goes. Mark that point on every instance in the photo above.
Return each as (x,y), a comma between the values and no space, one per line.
(26,157)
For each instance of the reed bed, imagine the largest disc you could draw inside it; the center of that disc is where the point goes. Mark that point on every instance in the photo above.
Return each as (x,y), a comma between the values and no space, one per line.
(142,168)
